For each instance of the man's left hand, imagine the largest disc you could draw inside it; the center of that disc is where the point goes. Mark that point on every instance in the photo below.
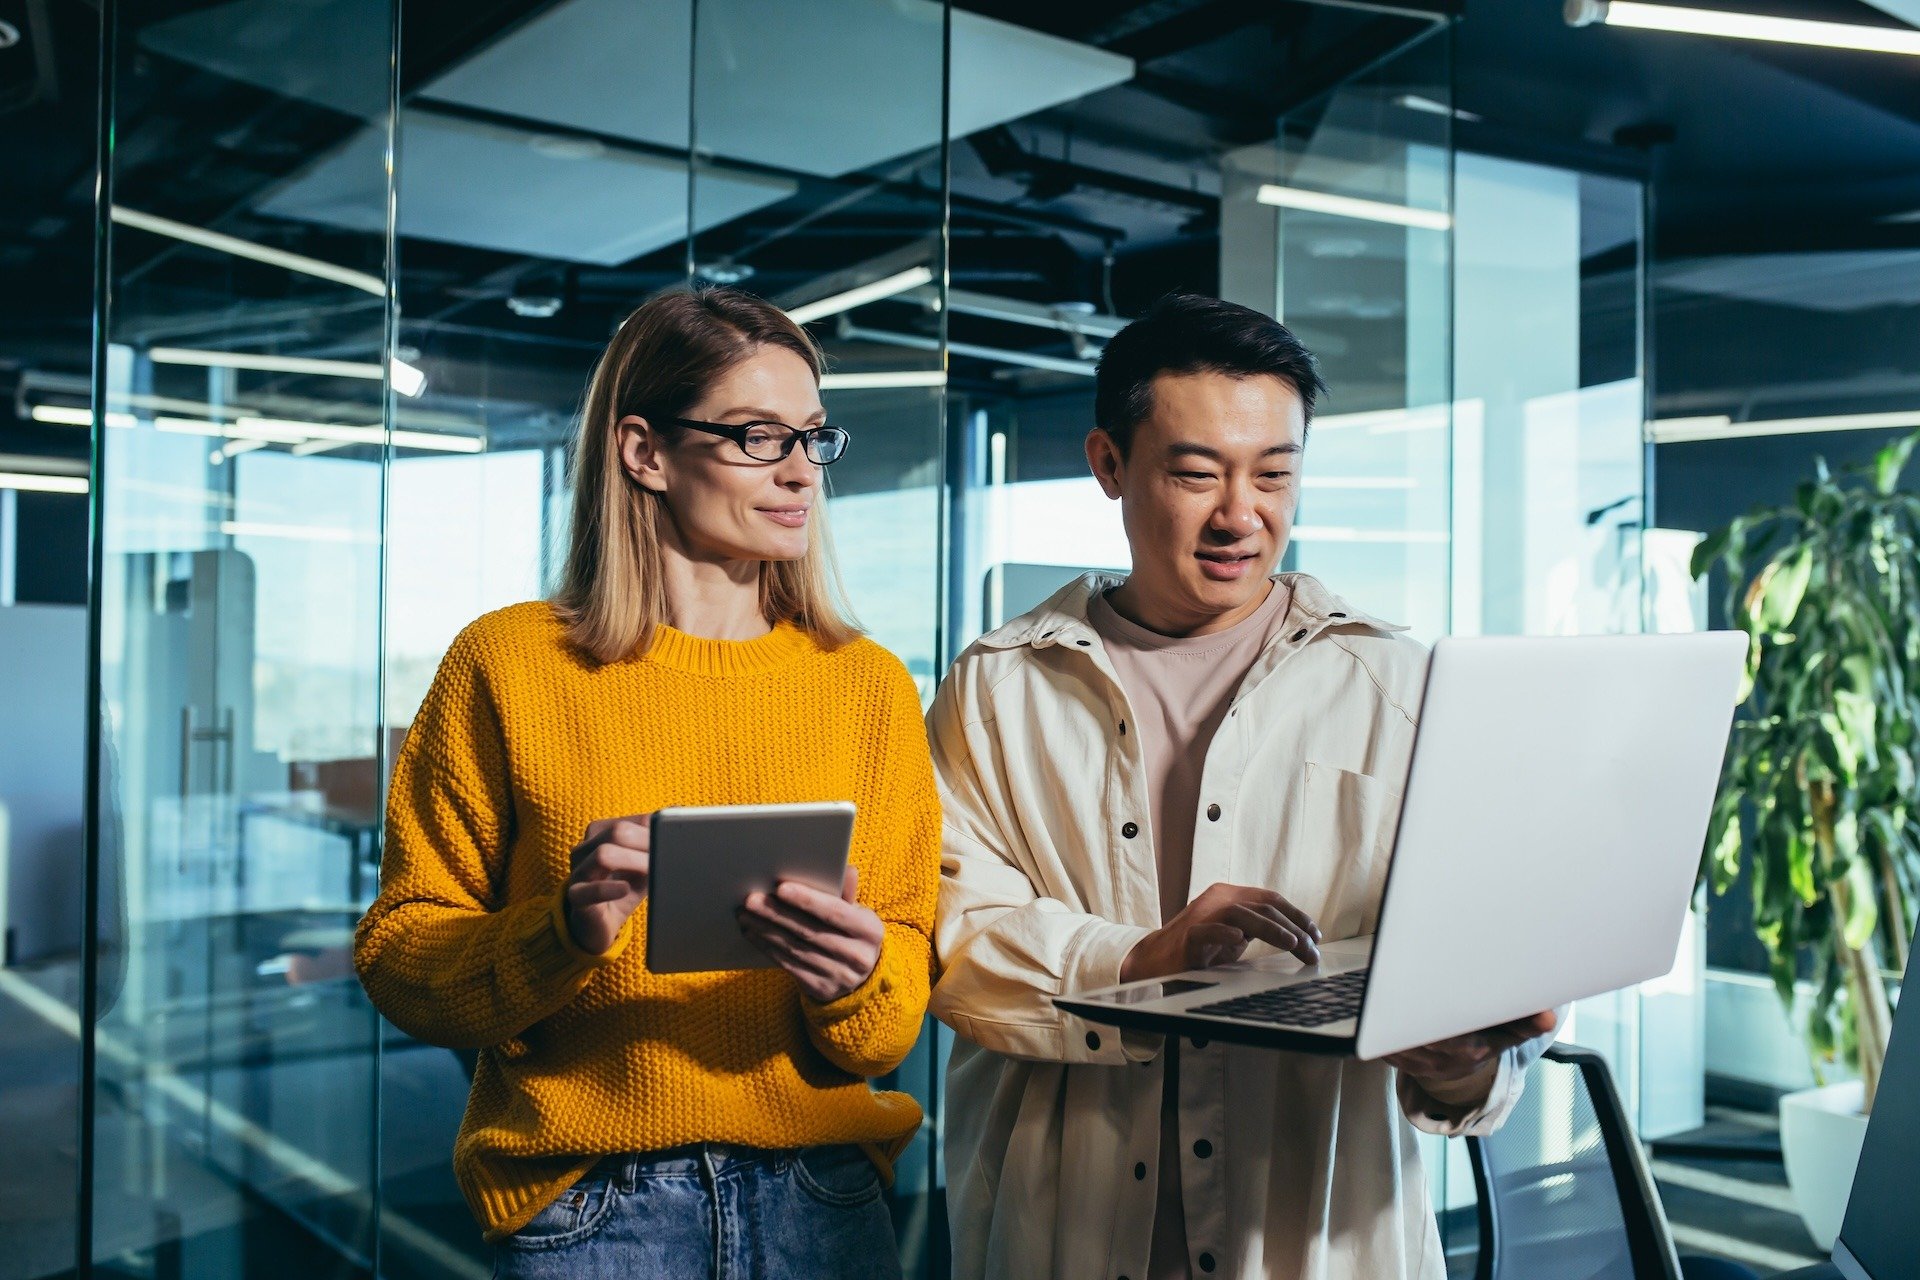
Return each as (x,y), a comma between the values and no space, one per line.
(1445,1061)
(828,944)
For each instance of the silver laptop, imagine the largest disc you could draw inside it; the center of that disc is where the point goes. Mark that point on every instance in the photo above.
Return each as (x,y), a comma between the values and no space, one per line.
(1550,832)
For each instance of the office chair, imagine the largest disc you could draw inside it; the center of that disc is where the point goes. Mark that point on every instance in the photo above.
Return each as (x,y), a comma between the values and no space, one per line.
(1565,1192)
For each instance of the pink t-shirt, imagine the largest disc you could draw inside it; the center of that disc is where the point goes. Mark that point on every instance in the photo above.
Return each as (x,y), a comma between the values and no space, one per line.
(1179,688)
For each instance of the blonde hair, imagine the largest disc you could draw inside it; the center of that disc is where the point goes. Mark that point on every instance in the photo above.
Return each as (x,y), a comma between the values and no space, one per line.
(663,358)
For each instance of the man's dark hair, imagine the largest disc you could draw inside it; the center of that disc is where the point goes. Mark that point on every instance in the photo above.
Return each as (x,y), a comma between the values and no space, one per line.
(1188,333)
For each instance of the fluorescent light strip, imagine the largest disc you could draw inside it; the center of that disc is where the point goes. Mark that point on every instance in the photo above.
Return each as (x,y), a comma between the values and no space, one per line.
(1357,482)
(916,342)
(1381,422)
(347,433)
(1721,427)
(1416,102)
(248,249)
(279,434)
(1337,533)
(295,532)
(32,482)
(67,416)
(234,448)
(1014,311)
(407,380)
(1743,26)
(911,278)
(1353,207)
(887,378)
(291,432)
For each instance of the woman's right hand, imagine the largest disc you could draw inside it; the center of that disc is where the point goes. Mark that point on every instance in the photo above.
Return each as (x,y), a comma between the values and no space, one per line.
(609,879)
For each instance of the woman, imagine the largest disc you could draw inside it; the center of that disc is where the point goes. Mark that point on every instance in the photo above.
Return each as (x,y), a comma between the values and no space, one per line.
(622,1122)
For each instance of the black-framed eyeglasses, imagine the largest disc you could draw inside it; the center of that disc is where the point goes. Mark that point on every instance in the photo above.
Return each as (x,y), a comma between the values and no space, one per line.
(773,441)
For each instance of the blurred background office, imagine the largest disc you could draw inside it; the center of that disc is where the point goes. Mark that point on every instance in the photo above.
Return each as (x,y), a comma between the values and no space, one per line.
(300,297)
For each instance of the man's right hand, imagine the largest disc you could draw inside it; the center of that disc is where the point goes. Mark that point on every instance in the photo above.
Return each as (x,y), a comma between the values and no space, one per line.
(609,879)
(1217,927)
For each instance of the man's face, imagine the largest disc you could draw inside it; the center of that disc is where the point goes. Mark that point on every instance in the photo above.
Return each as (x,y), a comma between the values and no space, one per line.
(1208,491)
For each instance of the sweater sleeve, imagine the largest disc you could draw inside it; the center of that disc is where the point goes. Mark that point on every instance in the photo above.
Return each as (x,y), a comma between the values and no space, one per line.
(437,952)
(870,1030)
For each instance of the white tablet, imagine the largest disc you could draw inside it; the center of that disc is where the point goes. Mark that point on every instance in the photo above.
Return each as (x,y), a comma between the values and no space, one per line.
(706,860)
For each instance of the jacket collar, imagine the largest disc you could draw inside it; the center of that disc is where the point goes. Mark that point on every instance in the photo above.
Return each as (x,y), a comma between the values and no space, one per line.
(1062,618)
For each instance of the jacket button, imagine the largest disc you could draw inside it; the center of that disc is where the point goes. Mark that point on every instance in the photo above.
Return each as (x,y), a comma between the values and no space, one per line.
(1197,1042)
(1336,615)
(1123,728)
(1130,831)
(1213,813)
(1298,636)
(1203,1148)
(1093,1039)
(1206,1262)
(1084,643)
(1140,1172)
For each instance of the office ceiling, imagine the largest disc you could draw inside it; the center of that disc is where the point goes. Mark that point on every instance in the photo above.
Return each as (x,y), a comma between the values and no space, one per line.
(540,144)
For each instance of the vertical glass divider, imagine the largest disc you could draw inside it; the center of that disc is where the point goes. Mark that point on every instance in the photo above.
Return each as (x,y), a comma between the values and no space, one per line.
(94,790)
(383,767)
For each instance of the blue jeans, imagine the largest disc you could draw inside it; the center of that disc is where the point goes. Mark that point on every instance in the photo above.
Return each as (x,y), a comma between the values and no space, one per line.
(714,1211)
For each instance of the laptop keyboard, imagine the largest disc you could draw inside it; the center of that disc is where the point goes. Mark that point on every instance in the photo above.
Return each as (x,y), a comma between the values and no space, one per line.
(1308,1004)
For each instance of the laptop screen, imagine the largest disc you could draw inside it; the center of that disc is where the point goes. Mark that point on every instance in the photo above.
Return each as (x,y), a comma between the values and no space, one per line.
(1881,1230)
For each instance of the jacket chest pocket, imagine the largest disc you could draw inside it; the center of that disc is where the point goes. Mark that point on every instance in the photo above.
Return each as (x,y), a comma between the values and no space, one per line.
(1339,842)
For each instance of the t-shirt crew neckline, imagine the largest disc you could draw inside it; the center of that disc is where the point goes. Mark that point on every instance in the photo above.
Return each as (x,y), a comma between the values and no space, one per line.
(1118,627)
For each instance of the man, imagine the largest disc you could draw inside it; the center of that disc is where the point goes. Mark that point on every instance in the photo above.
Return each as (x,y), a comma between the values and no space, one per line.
(1163,772)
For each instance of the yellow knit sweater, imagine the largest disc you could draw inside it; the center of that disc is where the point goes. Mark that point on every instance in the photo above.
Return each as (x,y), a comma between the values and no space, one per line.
(520,744)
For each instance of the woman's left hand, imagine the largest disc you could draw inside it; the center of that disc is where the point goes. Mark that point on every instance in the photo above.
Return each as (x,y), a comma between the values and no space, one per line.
(828,944)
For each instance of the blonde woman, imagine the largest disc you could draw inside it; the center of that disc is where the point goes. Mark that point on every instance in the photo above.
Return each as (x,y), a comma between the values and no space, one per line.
(622,1122)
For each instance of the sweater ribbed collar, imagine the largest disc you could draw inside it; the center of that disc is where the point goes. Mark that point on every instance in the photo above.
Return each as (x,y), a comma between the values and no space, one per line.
(697,654)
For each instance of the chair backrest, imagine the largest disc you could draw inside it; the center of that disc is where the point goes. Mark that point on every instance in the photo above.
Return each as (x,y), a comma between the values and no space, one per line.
(1564,1186)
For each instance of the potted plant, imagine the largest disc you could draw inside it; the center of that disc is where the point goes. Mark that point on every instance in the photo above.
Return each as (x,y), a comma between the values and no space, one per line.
(1818,802)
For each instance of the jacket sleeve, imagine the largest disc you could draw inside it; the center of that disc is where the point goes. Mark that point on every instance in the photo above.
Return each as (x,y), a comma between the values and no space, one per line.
(870,1030)
(1005,949)
(438,954)
(1475,1107)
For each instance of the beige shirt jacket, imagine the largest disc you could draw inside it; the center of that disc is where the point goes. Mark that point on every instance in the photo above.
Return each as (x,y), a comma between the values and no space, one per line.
(1293,1165)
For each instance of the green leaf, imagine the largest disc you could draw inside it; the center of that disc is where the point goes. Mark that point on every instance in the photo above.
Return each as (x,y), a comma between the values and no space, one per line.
(1854,713)
(1785,586)
(1710,549)
(1834,749)
(1863,913)
(1800,871)
(1723,840)
(1890,462)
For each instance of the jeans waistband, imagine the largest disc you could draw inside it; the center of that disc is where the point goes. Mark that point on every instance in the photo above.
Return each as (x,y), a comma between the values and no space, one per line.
(691,1160)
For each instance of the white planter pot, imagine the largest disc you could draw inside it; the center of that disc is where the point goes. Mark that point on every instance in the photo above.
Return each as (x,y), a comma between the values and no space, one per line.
(1820,1135)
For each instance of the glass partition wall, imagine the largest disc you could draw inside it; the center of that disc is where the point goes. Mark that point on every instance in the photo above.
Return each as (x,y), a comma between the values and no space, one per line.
(361,255)
(362,258)
(240,426)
